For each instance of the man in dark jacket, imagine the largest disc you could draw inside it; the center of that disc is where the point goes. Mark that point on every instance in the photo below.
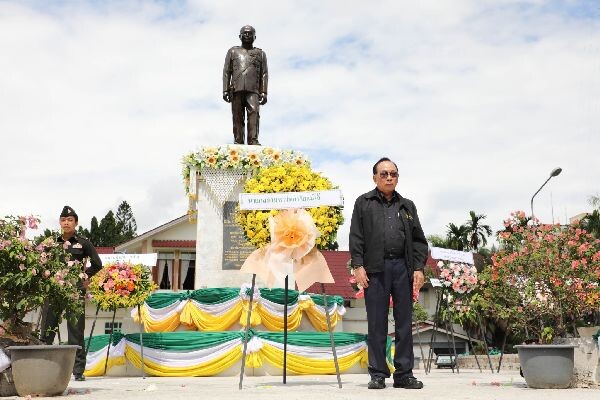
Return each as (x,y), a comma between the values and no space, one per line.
(80,249)
(389,250)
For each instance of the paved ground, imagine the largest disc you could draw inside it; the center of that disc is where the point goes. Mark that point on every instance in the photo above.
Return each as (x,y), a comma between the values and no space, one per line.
(440,384)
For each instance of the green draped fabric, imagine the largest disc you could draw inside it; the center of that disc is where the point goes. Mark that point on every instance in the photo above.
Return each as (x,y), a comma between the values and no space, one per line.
(220,295)
(318,300)
(183,341)
(164,299)
(100,341)
(214,295)
(314,339)
(277,295)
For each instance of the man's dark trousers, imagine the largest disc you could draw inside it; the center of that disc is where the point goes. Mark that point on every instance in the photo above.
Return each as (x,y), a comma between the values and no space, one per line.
(392,281)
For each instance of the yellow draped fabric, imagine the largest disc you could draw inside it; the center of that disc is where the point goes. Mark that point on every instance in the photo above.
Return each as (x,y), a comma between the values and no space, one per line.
(309,366)
(192,316)
(98,368)
(168,324)
(255,318)
(275,322)
(319,321)
(296,363)
(209,368)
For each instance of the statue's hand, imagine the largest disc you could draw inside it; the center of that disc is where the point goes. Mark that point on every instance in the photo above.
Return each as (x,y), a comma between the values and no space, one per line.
(226,97)
(263,99)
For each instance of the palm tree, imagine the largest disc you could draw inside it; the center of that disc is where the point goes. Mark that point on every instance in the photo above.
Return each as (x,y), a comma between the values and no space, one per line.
(456,236)
(476,231)
(591,223)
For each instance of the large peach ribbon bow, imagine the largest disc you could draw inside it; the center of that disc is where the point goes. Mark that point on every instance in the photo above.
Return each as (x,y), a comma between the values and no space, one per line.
(292,248)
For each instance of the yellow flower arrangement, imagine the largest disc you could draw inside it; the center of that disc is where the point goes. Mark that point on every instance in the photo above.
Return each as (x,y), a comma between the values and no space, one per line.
(237,157)
(289,177)
(121,285)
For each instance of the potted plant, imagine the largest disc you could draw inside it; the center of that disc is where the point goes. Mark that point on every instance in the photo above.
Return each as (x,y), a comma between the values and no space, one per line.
(33,272)
(542,281)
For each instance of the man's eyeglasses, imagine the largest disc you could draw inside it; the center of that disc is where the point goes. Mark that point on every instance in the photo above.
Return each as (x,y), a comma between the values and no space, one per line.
(384,174)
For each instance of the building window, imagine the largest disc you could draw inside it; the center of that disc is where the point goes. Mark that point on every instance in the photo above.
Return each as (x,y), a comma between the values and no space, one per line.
(115,325)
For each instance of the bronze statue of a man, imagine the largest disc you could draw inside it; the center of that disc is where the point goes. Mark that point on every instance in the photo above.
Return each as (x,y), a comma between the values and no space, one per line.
(245,79)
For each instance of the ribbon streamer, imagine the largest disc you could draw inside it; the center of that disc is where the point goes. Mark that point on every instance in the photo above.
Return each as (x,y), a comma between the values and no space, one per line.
(292,248)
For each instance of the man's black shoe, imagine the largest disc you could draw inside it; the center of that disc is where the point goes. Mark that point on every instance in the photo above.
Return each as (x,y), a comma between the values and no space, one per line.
(408,382)
(377,383)
(79,377)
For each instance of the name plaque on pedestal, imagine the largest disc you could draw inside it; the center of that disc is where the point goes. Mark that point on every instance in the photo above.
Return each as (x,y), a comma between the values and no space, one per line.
(235,248)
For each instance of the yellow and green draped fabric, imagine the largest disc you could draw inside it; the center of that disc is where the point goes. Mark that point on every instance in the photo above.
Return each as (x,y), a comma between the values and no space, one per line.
(217,309)
(210,353)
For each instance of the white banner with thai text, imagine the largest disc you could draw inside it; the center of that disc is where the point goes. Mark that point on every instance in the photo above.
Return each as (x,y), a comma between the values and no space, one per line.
(287,200)
(438,253)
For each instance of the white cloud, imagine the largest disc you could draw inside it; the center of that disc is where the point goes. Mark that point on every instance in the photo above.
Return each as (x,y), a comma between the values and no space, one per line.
(476,101)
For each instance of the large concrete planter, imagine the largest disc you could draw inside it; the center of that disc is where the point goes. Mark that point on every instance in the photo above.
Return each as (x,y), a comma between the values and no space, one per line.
(547,366)
(42,370)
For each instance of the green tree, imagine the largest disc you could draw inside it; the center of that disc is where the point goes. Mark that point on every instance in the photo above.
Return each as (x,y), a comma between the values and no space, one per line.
(94,232)
(108,233)
(591,223)
(437,241)
(125,223)
(456,237)
(477,232)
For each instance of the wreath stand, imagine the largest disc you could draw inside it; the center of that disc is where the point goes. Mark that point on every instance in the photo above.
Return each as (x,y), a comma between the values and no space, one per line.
(285,332)
(447,321)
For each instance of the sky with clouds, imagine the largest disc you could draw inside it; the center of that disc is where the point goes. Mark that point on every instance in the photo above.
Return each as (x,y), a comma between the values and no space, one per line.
(476,101)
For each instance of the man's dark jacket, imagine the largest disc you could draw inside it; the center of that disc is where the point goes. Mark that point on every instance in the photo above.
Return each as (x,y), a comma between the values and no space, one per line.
(367,233)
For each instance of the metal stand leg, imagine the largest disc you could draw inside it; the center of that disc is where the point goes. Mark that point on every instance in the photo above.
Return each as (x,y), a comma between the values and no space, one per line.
(487,351)
(285,329)
(247,330)
(433,332)
(453,341)
(335,360)
(112,329)
(475,354)
(87,347)
(141,341)
(421,346)
(502,351)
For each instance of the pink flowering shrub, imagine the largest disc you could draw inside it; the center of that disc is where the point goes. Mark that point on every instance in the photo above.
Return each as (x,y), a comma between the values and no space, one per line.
(543,280)
(33,272)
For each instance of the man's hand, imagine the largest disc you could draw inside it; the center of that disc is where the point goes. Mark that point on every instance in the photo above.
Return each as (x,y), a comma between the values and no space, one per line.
(262,98)
(226,97)
(361,277)
(418,281)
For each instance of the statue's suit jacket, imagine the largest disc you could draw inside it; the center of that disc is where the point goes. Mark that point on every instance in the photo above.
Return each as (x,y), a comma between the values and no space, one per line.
(245,70)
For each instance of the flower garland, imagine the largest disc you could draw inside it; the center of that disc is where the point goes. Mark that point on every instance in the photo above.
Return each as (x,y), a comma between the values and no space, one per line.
(461,278)
(289,177)
(121,285)
(238,157)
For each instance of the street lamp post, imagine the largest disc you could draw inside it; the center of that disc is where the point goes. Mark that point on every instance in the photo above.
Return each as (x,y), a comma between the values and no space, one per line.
(555,172)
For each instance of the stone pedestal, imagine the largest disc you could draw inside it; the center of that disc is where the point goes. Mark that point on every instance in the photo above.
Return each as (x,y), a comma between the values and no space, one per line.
(216,189)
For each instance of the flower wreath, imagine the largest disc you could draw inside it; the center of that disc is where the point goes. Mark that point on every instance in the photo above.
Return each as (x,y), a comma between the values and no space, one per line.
(288,177)
(460,278)
(121,285)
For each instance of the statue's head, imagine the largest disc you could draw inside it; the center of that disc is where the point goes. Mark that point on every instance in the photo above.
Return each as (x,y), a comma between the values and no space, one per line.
(247,34)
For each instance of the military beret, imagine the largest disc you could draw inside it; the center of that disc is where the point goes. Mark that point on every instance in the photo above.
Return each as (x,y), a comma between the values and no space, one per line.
(69,212)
